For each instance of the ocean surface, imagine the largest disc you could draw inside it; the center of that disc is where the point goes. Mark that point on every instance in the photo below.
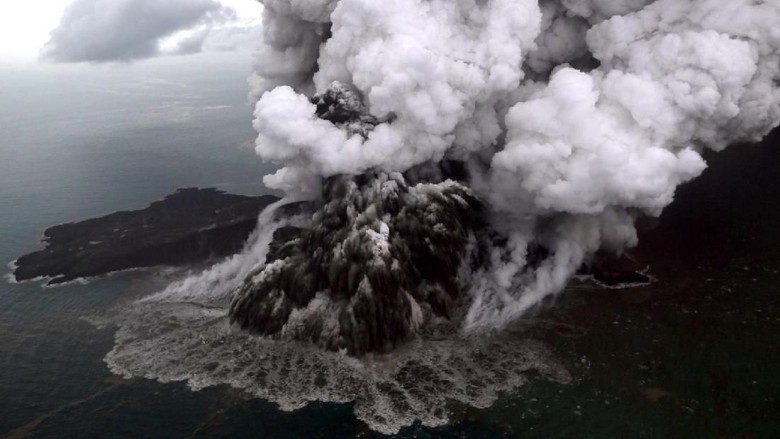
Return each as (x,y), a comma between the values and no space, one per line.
(697,354)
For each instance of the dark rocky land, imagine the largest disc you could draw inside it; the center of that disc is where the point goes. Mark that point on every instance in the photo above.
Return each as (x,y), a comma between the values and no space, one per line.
(187,226)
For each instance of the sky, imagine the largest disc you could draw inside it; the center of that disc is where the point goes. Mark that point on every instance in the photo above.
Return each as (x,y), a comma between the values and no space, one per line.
(26,26)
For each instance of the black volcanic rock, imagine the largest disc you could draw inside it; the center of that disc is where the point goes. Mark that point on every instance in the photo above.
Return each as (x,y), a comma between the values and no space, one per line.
(380,261)
(343,107)
(187,226)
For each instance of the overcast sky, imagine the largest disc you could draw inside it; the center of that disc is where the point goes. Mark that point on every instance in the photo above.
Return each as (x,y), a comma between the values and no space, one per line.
(121,30)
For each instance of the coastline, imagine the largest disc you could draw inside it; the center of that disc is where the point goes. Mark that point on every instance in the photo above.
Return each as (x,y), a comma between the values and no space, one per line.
(190,225)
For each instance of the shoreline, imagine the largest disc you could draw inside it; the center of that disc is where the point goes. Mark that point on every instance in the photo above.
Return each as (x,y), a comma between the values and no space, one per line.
(188,226)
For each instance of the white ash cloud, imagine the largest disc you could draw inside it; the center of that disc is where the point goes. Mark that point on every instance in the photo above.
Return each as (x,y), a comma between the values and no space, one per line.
(564,121)
(441,67)
(126,30)
(574,117)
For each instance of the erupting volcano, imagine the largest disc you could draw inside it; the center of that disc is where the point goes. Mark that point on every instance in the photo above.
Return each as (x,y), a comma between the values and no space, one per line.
(447,166)
(466,158)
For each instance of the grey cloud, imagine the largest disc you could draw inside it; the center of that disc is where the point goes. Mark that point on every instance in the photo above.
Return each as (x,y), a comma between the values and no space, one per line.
(223,38)
(125,30)
(193,43)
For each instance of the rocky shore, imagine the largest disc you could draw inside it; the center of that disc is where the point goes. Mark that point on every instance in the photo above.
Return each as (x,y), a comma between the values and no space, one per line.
(187,226)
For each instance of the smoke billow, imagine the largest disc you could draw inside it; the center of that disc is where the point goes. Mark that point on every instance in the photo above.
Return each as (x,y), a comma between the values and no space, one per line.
(570,118)
(452,163)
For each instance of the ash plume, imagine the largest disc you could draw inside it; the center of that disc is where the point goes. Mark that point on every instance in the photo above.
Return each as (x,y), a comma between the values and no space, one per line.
(566,120)
(346,282)
(448,166)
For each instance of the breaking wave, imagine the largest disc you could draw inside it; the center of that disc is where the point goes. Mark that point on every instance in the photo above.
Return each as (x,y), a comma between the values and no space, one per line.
(564,121)
(183,334)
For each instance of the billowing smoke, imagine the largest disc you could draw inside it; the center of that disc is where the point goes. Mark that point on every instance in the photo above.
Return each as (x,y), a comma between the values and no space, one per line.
(449,164)
(565,120)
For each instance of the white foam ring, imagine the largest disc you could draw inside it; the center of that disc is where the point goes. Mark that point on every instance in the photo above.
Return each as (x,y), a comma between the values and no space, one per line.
(183,334)
(9,277)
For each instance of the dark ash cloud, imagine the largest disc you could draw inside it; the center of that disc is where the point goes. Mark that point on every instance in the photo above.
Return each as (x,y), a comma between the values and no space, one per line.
(126,30)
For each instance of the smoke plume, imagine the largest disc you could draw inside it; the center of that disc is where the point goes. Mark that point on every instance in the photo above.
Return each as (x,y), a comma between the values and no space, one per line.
(449,165)
(569,119)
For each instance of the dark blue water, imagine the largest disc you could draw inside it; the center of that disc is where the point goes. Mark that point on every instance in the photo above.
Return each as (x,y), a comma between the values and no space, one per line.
(694,356)
(78,142)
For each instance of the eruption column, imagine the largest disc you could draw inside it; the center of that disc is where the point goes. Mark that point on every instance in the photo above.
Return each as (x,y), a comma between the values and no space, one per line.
(567,119)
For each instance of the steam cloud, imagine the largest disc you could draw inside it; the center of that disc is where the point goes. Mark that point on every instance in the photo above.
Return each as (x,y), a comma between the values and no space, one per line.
(461,160)
(572,118)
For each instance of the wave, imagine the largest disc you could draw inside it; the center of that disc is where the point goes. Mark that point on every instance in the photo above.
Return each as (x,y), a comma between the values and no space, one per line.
(183,334)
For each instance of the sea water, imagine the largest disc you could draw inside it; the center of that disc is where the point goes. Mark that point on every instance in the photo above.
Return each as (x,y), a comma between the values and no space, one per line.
(79,142)
(694,355)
